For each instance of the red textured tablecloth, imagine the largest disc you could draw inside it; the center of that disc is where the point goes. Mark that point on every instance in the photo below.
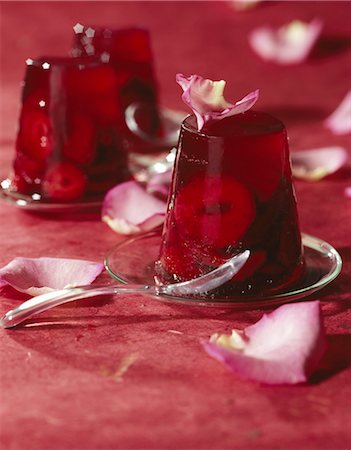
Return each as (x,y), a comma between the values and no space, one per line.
(129,372)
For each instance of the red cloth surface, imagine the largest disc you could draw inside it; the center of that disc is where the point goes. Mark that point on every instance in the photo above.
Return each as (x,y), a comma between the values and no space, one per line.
(129,372)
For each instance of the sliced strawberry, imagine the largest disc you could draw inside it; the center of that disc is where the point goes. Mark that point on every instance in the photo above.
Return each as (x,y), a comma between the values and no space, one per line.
(64,182)
(35,135)
(80,144)
(214,211)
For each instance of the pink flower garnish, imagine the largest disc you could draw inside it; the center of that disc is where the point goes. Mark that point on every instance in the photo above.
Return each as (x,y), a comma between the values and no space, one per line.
(315,164)
(283,347)
(128,208)
(339,122)
(205,98)
(36,276)
(290,44)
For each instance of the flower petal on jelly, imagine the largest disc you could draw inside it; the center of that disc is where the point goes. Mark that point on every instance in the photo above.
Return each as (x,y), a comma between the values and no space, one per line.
(289,44)
(36,276)
(339,122)
(129,209)
(315,164)
(283,347)
(205,97)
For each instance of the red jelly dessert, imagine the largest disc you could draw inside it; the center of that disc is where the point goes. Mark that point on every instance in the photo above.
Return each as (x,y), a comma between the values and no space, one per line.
(129,52)
(232,190)
(68,140)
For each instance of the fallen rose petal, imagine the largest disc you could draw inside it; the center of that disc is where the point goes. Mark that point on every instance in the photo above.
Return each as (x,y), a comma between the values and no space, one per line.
(315,164)
(36,276)
(283,347)
(205,97)
(348,192)
(128,209)
(289,44)
(339,122)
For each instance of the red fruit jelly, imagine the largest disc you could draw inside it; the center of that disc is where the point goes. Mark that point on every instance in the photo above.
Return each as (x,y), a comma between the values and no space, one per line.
(232,190)
(68,147)
(129,51)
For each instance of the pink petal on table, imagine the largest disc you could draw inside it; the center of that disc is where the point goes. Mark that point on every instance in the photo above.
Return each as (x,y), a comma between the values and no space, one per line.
(283,347)
(339,122)
(315,164)
(129,209)
(289,44)
(205,97)
(37,276)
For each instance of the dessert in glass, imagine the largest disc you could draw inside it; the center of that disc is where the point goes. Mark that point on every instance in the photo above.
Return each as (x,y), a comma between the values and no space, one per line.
(68,147)
(130,54)
(231,191)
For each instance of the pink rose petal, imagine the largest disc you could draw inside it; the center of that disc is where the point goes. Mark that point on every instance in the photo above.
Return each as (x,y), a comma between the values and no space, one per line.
(205,97)
(339,122)
(37,276)
(348,192)
(315,164)
(283,347)
(129,209)
(290,44)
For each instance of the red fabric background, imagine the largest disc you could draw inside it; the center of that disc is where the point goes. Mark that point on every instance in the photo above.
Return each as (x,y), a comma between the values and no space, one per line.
(62,382)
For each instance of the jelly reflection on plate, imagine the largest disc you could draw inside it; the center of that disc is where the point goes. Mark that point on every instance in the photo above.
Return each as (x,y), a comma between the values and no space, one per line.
(133,261)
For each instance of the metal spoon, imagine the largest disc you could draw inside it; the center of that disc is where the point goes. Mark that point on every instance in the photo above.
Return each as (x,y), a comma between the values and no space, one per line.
(205,283)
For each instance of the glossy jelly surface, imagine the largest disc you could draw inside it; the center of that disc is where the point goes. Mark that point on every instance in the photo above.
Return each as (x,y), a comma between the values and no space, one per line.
(68,146)
(232,190)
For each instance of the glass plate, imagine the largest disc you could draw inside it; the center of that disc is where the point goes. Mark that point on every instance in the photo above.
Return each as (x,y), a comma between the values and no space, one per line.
(132,261)
(39,205)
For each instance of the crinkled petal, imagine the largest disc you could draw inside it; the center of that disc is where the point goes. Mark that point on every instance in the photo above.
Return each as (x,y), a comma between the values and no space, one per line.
(290,44)
(205,97)
(315,164)
(36,276)
(339,122)
(128,209)
(283,347)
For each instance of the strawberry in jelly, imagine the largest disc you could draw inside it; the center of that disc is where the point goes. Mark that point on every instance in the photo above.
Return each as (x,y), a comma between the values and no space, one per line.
(68,104)
(221,207)
(232,190)
(64,182)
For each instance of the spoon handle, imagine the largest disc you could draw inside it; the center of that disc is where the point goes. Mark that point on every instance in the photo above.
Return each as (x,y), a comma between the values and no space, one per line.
(43,302)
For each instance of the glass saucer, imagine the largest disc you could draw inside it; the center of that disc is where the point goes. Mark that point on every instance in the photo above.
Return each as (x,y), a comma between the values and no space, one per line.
(132,261)
(39,205)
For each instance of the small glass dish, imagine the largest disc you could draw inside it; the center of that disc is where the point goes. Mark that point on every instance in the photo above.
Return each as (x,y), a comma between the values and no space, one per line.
(37,204)
(132,261)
